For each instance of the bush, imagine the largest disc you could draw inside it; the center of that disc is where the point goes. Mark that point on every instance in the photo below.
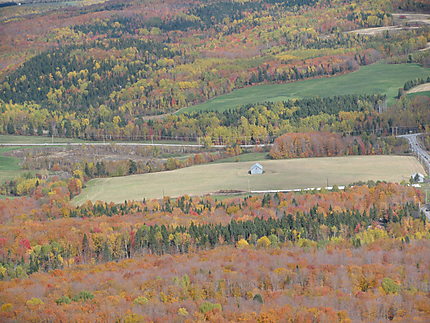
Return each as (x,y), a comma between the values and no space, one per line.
(133,318)
(258,298)
(140,300)
(6,307)
(63,300)
(83,296)
(182,311)
(35,301)
(306,243)
(242,243)
(208,306)
(263,242)
(390,286)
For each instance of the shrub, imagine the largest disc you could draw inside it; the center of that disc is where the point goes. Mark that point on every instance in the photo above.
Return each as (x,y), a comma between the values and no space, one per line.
(35,301)
(263,242)
(242,243)
(208,306)
(133,318)
(140,300)
(390,286)
(273,240)
(182,311)
(306,243)
(63,300)
(83,296)
(6,307)
(258,298)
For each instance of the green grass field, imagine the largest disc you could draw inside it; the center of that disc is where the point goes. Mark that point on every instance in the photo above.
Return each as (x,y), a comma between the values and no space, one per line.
(279,174)
(376,78)
(4,197)
(9,166)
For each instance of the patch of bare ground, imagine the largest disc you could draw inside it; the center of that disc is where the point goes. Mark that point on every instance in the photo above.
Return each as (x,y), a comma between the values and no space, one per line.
(420,88)
(411,18)
(425,48)
(402,21)
(380,30)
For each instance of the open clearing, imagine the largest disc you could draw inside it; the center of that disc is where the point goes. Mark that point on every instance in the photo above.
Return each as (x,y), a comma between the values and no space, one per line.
(412,18)
(402,21)
(379,30)
(376,78)
(279,174)
(9,166)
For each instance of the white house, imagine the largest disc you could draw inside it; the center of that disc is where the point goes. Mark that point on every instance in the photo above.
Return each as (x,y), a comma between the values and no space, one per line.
(418,177)
(256,169)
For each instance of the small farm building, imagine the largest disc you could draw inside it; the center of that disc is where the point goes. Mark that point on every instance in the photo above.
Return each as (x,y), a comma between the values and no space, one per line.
(418,177)
(256,169)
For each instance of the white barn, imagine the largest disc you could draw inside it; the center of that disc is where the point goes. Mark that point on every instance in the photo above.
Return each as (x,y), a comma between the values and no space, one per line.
(256,169)
(418,177)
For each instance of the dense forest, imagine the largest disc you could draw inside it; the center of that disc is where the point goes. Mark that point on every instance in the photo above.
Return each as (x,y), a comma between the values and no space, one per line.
(115,70)
(203,259)
(279,218)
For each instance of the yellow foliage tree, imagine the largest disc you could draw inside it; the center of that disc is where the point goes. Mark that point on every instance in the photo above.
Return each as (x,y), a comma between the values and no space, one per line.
(263,242)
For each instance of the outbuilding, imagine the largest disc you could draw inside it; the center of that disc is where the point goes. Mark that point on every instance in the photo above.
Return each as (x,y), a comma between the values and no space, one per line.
(418,177)
(256,169)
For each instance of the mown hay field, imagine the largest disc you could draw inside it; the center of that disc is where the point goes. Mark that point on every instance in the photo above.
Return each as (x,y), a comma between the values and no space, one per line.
(279,174)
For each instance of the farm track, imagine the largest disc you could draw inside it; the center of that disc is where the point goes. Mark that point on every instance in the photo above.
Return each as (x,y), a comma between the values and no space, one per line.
(121,144)
(402,21)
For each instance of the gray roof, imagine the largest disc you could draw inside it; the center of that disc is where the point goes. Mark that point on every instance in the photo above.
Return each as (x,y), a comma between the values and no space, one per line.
(257,165)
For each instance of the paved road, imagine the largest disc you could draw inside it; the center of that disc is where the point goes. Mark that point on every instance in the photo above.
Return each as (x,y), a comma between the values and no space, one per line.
(426,210)
(422,155)
(120,144)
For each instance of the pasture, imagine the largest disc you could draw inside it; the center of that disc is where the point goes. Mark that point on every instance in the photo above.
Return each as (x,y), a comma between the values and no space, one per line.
(376,78)
(9,166)
(279,174)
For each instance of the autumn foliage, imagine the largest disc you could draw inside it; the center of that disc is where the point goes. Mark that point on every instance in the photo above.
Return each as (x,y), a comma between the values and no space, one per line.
(317,144)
